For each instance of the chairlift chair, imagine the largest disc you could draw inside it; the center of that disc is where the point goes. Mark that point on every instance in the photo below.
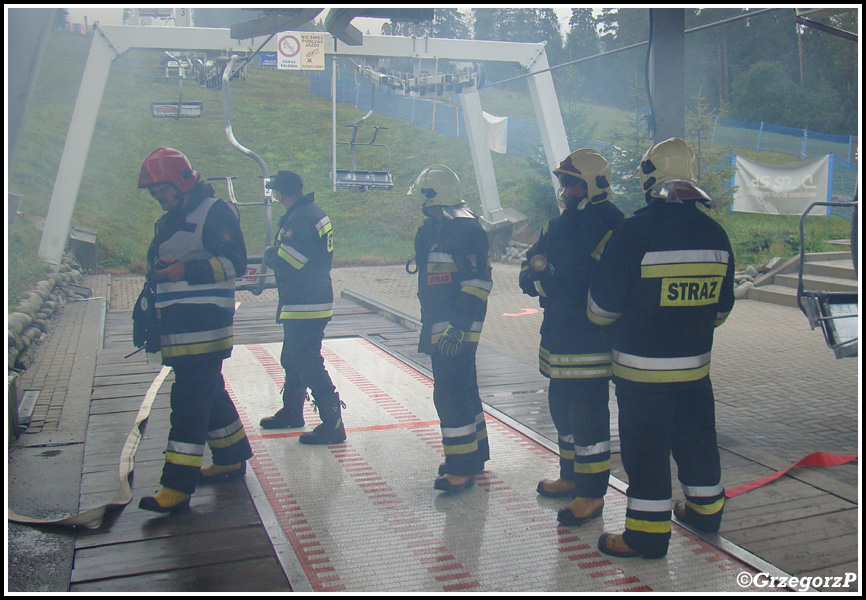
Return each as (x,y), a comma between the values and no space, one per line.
(258,276)
(835,312)
(357,179)
(181,66)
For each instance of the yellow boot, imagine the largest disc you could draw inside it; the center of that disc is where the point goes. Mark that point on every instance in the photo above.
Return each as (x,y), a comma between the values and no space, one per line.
(580,511)
(614,545)
(556,488)
(166,500)
(216,473)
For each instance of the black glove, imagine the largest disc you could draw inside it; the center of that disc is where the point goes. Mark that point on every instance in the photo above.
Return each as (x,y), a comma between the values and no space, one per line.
(450,342)
(269,258)
(145,324)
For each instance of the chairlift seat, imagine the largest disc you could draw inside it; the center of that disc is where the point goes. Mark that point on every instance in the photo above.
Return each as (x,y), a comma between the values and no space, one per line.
(836,314)
(364,180)
(251,280)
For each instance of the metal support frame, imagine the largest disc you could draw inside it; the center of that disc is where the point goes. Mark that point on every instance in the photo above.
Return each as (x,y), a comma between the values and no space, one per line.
(667,72)
(111,41)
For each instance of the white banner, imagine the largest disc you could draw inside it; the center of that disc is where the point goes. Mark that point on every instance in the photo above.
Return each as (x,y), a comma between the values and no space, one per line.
(497,132)
(297,50)
(780,189)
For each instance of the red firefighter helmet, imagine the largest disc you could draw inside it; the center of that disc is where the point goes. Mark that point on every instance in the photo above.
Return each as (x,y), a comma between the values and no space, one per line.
(167,165)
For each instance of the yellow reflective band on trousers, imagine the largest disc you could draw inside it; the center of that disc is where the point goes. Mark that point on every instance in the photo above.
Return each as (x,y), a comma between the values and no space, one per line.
(306,311)
(660,376)
(707,509)
(660,370)
(596,467)
(648,526)
(227,441)
(184,460)
(184,454)
(461,448)
(574,366)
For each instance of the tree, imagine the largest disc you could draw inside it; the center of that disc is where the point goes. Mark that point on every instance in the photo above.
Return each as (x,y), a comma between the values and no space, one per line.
(623,27)
(531,25)
(715,171)
(581,41)
(764,92)
(582,38)
(447,23)
(450,23)
(624,156)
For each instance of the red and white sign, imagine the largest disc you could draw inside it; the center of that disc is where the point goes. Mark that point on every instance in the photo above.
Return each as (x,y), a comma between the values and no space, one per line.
(301,50)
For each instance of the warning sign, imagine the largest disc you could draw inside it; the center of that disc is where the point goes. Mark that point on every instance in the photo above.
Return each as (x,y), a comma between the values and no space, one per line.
(297,50)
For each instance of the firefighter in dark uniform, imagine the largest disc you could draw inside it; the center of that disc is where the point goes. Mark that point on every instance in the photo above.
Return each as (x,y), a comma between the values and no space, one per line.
(454,281)
(301,259)
(196,253)
(574,352)
(664,282)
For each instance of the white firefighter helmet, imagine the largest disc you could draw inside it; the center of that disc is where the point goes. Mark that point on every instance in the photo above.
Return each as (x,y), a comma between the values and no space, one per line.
(437,185)
(591,168)
(668,166)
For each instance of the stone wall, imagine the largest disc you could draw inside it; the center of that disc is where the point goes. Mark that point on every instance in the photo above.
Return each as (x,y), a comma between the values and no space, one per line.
(30,321)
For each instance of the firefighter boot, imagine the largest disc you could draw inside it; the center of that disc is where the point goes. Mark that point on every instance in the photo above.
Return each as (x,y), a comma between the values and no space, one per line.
(556,488)
(614,545)
(218,473)
(453,483)
(291,415)
(580,511)
(682,514)
(331,431)
(166,500)
(479,471)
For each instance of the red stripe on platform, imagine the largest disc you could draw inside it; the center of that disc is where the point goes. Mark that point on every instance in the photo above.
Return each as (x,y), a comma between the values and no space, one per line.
(302,540)
(523,508)
(404,522)
(400,516)
(290,434)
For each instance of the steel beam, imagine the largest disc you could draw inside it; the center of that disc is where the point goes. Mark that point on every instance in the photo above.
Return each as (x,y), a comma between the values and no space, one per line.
(667,73)
(75,151)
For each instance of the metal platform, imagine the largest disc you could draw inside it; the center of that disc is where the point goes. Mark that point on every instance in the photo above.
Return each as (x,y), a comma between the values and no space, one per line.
(805,524)
(363,516)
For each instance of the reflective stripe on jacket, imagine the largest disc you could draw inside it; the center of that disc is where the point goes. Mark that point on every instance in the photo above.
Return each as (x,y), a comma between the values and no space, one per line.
(305,243)
(454,279)
(196,313)
(572,347)
(664,282)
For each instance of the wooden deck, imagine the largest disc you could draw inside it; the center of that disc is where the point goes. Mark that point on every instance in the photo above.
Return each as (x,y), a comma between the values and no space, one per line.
(806,525)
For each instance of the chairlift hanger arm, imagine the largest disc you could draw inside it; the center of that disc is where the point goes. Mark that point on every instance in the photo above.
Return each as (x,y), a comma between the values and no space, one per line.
(247,152)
